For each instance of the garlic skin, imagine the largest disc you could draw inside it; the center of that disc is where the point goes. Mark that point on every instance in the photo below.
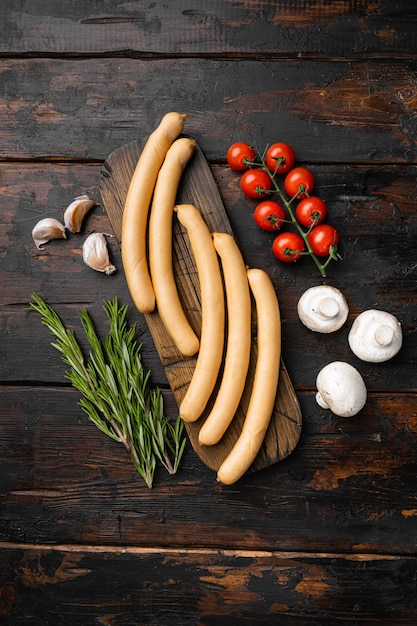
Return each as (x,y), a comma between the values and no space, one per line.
(96,254)
(47,229)
(76,211)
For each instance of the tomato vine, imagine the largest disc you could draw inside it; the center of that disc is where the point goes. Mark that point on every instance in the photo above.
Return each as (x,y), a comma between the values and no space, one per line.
(273,172)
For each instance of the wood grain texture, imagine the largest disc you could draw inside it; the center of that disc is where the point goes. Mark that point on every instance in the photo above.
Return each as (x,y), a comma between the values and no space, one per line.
(219,27)
(85,109)
(199,188)
(328,535)
(349,485)
(59,585)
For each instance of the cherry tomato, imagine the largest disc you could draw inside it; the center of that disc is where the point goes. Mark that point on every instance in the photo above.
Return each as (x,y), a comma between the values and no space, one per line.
(288,247)
(321,239)
(238,153)
(299,182)
(255,183)
(310,211)
(269,215)
(280,158)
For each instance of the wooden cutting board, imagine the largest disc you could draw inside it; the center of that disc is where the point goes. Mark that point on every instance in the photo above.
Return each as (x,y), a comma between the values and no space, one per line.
(198,187)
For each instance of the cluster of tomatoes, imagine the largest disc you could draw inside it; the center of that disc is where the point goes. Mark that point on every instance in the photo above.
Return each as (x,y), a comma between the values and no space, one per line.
(296,206)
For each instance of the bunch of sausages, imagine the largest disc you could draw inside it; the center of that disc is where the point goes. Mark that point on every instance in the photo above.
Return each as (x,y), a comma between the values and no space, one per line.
(226,284)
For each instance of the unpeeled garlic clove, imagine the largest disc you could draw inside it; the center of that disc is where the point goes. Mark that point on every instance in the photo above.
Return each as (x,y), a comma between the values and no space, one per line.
(96,254)
(47,229)
(76,211)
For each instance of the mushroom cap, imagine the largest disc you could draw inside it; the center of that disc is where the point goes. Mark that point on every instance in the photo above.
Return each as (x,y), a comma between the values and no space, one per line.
(341,388)
(375,336)
(323,309)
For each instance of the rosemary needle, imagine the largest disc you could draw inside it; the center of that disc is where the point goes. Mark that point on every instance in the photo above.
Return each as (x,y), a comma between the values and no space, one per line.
(115,390)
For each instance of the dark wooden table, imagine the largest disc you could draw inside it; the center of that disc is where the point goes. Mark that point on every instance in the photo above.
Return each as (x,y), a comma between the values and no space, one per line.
(328,536)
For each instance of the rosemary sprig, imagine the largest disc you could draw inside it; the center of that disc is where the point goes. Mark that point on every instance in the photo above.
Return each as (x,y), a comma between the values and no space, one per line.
(115,390)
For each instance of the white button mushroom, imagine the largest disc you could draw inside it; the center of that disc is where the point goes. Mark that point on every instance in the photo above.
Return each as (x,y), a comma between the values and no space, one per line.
(323,309)
(341,388)
(375,336)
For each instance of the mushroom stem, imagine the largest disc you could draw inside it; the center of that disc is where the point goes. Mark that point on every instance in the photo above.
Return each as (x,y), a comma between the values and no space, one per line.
(384,335)
(328,307)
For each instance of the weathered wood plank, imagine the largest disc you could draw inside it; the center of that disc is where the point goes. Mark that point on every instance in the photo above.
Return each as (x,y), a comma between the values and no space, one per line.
(28,194)
(85,109)
(373,208)
(349,486)
(218,27)
(70,585)
(328,535)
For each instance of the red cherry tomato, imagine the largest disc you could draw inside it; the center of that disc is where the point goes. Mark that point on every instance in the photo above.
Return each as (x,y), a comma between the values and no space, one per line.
(321,239)
(310,211)
(238,153)
(299,182)
(255,183)
(280,158)
(288,247)
(269,215)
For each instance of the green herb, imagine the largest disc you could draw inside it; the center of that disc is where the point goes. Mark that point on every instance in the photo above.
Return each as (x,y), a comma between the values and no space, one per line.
(115,388)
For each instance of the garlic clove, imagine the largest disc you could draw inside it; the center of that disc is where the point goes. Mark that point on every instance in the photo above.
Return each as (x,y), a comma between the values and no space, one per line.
(96,254)
(47,229)
(76,211)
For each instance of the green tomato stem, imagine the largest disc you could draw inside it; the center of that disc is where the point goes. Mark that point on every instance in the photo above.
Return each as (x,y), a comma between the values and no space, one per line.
(287,203)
